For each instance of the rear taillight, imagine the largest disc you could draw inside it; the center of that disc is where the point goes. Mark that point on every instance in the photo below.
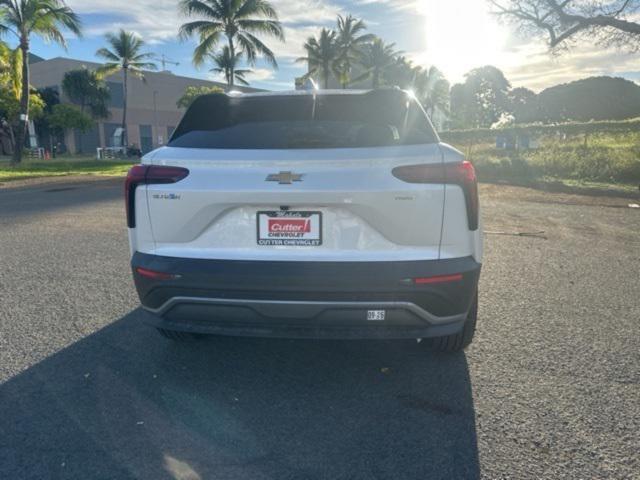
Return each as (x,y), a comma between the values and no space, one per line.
(153,275)
(462,174)
(456,277)
(146,175)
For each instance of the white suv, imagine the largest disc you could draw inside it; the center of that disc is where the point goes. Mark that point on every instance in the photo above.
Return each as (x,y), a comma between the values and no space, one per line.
(323,214)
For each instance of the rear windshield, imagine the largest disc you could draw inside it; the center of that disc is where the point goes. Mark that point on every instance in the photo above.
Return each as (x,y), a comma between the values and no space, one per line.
(374,119)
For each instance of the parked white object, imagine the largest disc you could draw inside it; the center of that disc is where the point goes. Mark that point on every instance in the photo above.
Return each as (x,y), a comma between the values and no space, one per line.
(317,206)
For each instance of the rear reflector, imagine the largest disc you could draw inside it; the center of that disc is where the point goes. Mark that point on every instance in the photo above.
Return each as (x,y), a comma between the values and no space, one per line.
(146,175)
(152,274)
(462,174)
(438,279)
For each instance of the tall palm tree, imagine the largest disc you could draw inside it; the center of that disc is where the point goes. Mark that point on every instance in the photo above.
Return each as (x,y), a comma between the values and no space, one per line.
(227,65)
(239,21)
(125,54)
(350,44)
(323,55)
(376,58)
(24,18)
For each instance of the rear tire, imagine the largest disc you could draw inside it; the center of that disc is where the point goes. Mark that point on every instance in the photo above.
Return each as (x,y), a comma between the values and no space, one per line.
(461,340)
(177,336)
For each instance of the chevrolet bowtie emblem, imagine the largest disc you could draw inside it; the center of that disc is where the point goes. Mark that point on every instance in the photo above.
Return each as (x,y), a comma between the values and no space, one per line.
(285,178)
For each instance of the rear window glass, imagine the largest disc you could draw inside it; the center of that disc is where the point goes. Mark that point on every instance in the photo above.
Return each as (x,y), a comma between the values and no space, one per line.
(374,119)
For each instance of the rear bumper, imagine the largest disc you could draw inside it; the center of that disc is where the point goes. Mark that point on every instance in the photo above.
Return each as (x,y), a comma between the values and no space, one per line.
(306,299)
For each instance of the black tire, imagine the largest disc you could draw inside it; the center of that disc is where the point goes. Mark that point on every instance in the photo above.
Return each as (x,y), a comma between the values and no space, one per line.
(461,340)
(179,336)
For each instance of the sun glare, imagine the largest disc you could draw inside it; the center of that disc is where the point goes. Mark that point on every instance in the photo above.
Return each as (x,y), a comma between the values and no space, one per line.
(461,35)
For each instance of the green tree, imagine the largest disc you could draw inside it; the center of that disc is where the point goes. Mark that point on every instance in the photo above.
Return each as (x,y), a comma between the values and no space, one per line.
(11,109)
(11,69)
(524,104)
(228,66)
(350,41)
(65,117)
(51,98)
(323,56)
(191,93)
(377,58)
(482,99)
(87,89)
(125,55)
(241,22)
(24,18)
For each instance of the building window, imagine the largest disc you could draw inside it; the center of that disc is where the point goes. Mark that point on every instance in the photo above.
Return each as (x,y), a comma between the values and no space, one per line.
(87,142)
(146,138)
(117,94)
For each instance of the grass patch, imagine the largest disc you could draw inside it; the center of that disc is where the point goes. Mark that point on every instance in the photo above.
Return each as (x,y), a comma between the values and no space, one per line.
(62,167)
(597,161)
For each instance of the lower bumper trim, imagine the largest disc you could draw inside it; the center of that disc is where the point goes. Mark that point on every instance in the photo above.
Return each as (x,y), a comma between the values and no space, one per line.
(280,329)
(304,310)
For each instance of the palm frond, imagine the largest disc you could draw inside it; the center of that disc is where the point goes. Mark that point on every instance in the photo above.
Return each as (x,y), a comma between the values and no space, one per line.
(107,55)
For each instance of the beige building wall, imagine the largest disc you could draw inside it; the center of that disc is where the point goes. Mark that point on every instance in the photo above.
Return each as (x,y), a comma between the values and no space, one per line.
(151,104)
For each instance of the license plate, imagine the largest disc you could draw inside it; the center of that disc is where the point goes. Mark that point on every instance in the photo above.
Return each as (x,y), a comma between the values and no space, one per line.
(289,228)
(376,315)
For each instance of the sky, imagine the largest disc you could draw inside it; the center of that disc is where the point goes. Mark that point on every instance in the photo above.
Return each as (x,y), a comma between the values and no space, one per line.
(453,35)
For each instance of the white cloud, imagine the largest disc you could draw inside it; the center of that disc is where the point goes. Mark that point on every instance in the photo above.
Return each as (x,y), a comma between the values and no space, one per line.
(261,74)
(154,20)
(159,20)
(540,70)
(256,75)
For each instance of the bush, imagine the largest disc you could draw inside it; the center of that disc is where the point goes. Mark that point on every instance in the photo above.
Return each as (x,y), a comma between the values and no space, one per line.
(595,156)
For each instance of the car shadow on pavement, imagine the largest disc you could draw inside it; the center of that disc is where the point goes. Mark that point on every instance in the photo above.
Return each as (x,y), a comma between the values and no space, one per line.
(126,403)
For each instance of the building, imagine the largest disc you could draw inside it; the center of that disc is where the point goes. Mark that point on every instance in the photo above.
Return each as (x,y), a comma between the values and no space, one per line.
(152,113)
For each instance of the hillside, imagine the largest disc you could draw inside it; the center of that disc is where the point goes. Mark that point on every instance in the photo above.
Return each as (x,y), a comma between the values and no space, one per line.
(595,98)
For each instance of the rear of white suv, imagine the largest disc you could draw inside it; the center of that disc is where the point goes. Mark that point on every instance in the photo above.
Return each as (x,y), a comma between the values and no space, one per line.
(334,214)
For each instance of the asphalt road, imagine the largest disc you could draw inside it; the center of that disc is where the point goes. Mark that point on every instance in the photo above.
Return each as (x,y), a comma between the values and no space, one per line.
(550,388)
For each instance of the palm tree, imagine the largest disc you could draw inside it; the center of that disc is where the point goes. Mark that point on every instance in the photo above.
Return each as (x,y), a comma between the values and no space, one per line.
(239,21)
(432,89)
(86,88)
(350,45)
(400,73)
(323,55)
(376,58)
(24,18)
(226,64)
(126,55)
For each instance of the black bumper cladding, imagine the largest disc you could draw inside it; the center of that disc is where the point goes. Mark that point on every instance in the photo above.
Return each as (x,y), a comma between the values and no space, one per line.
(306,299)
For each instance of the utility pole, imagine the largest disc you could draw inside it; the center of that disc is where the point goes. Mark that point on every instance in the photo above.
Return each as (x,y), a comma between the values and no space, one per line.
(155,133)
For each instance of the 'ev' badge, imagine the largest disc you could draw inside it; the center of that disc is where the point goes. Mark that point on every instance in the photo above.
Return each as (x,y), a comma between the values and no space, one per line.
(285,178)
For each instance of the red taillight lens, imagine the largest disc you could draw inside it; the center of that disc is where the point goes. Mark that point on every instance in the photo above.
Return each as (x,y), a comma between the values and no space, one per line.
(462,174)
(144,175)
(152,274)
(438,279)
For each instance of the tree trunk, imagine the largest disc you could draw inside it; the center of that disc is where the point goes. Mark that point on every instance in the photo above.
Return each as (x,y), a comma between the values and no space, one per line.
(124,139)
(232,54)
(325,76)
(23,121)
